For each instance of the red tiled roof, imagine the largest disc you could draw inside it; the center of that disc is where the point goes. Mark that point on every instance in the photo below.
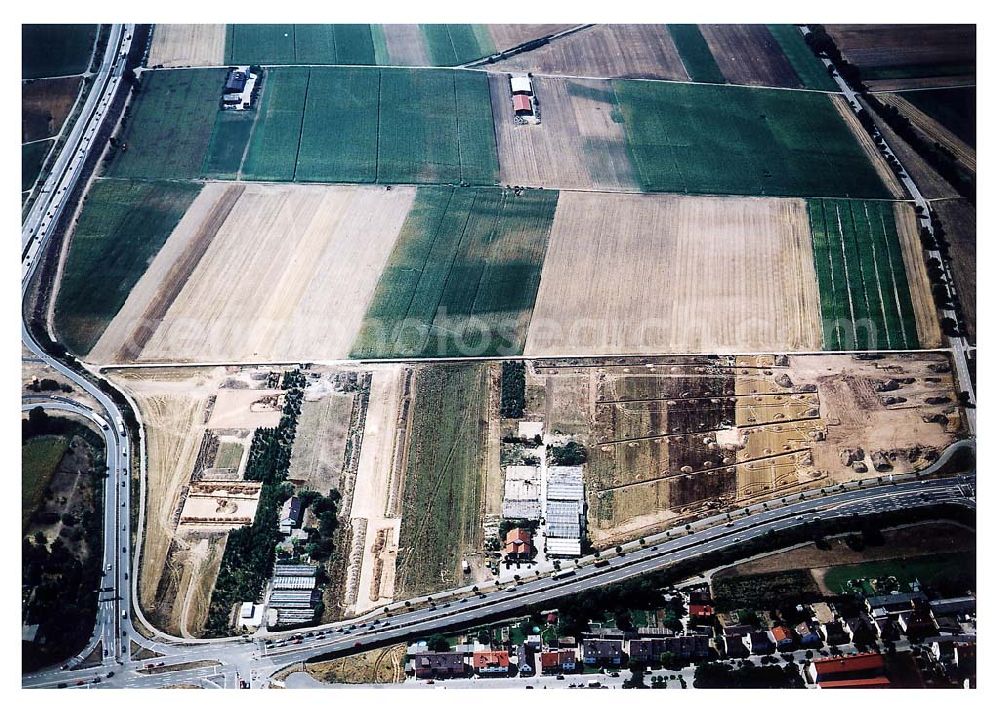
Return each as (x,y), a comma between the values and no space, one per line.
(518,541)
(550,659)
(700,610)
(876,682)
(854,663)
(781,633)
(522,103)
(490,659)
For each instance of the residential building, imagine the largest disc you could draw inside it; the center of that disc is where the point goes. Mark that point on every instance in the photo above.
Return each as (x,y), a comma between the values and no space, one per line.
(525,661)
(784,640)
(491,663)
(682,647)
(894,603)
(735,646)
(835,633)
(861,630)
(438,665)
(856,670)
(759,642)
(602,652)
(808,634)
(559,662)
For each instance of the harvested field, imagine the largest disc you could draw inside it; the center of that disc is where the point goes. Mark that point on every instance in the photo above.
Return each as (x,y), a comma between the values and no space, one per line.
(121,227)
(340,124)
(443,489)
(170,126)
(320,250)
(885,172)
(463,276)
(45,104)
(187,46)
(320,439)
(55,50)
(934,131)
(405,45)
(696,138)
(147,303)
(613,51)
(903,56)
(749,54)
(508,36)
(864,291)
(635,274)
(958,221)
(925,313)
(579,143)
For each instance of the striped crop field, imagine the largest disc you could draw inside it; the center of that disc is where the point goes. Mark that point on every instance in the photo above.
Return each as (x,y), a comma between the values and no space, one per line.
(274,144)
(450,45)
(864,294)
(299,44)
(463,276)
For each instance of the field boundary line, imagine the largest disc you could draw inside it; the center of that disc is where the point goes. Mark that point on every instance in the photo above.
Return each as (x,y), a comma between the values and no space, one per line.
(302,120)
(878,279)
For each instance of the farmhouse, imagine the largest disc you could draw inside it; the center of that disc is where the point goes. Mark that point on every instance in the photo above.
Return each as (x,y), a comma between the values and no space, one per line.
(237,95)
(517,545)
(522,105)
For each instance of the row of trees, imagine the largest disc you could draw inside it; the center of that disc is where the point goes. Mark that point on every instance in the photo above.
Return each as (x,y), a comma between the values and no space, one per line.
(512,389)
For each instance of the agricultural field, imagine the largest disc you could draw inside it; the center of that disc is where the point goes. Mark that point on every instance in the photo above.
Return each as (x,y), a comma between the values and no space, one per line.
(228,144)
(904,56)
(187,45)
(811,71)
(121,228)
(400,45)
(697,58)
(579,143)
(451,45)
(319,249)
(33,157)
(56,50)
(171,125)
(935,132)
(955,109)
(638,274)
(690,138)
(442,491)
(864,293)
(299,44)
(612,51)
(45,104)
(958,222)
(674,437)
(462,277)
(508,36)
(750,54)
(365,125)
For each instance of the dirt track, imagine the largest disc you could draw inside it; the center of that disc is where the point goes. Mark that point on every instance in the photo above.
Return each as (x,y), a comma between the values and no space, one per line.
(187,46)
(655,273)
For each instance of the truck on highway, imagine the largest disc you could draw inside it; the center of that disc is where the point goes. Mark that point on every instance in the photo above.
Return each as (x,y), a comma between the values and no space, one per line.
(121,426)
(563,574)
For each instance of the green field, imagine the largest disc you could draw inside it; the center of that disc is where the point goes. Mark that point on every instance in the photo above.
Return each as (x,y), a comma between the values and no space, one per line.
(299,44)
(691,138)
(56,50)
(955,109)
(695,54)
(32,158)
(864,294)
(227,144)
(951,573)
(122,226)
(171,125)
(451,45)
(810,69)
(340,124)
(444,477)
(39,458)
(463,276)
(229,455)
(919,71)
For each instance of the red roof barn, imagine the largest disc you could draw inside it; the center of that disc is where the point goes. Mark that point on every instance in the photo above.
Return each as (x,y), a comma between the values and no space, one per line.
(522,104)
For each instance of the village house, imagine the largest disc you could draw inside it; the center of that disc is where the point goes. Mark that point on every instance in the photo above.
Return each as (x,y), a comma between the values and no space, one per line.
(491,663)
(438,665)
(559,662)
(602,652)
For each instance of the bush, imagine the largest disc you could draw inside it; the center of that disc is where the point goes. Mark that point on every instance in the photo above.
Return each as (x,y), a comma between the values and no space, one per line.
(512,389)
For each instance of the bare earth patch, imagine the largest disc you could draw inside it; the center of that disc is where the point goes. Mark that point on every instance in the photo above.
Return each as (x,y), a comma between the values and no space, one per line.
(657,273)
(406,46)
(928,325)
(749,54)
(187,46)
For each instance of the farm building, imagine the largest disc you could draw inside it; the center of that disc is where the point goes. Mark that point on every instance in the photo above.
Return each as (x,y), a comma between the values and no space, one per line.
(522,492)
(564,511)
(522,105)
(295,569)
(517,545)
(565,483)
(293,582)
(239,89)
(291,515)
(520,84)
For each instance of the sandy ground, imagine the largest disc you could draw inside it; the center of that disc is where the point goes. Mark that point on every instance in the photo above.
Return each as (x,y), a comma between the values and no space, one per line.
(187,46)
(928,325)
(749,54)
(384,665)
(245,409)
(655,273)
(614,51)
(577,144)
(405,44)
(868,146)
(288,277)
(371,489)
(508,36)
(934,130)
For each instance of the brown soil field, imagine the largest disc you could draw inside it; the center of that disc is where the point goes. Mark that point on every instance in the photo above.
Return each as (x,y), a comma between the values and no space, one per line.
(320,440)
(934,131)
(749,54)
(611,51)
(868,146)
(655,273)
(377,666)
(508,36)
(319,250)
(406,46)
(931,184)
(958,220)
(187,46)
(928,325)
(669,441)
(577,144)
(45,104)
(903,542)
